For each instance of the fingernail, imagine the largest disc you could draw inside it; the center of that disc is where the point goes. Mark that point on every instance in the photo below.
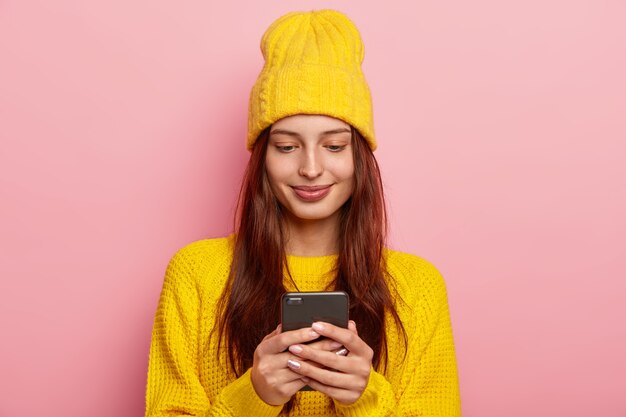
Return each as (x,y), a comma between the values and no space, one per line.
(342,352)
(318,326)
(305,380)
(295,349)
(314,333)
(293,364)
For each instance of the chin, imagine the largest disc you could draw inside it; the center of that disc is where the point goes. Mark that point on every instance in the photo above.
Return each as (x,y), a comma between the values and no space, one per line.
(308,217)
(312,214)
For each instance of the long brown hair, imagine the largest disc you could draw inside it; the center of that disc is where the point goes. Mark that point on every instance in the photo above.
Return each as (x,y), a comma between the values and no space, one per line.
(259,260)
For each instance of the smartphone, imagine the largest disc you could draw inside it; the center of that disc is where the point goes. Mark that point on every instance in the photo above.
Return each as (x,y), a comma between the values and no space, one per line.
(301,309)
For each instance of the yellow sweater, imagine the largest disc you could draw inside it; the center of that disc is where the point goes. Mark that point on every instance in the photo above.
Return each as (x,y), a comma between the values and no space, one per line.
(185,376)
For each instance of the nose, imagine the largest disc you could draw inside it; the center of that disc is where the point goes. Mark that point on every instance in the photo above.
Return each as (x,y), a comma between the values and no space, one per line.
(310,166)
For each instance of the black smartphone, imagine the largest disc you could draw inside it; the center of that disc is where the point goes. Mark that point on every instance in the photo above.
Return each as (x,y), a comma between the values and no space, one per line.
(301,309)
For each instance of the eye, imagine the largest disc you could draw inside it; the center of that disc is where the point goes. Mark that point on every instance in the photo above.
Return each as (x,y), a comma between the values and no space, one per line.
(336,148)
(286,148)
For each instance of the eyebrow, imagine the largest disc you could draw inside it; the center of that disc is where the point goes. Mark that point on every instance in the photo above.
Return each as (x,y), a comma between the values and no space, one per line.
(296,134)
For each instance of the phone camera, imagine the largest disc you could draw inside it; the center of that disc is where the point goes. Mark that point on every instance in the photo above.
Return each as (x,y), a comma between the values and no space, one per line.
(294,301)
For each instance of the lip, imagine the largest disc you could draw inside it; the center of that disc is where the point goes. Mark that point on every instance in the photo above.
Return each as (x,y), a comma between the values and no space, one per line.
(311,193)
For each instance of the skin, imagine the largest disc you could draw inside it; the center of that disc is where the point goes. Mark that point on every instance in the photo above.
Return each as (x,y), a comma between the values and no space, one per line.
(342,378)
(311,150)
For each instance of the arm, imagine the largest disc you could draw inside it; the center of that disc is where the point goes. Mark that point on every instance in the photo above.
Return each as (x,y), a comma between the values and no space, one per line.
(430,371)
(173,387)
(433,387)
(428,385)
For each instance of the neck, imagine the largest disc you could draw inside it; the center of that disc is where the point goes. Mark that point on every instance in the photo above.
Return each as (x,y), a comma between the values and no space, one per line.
(312,237)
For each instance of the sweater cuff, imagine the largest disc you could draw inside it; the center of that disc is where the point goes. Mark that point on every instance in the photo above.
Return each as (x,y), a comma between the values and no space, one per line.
(241,398)
(377,399)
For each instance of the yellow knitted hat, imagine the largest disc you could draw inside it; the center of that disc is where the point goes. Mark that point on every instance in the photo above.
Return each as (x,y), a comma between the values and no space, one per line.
(312,66)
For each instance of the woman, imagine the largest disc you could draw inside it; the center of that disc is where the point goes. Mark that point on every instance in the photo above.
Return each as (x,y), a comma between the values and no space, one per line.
(311,217)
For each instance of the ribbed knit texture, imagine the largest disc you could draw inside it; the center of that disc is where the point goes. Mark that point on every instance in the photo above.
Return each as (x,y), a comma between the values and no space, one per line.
(185,376)
(312,66)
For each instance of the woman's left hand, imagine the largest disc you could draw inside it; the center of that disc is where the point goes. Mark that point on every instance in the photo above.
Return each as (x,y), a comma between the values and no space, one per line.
(344,377)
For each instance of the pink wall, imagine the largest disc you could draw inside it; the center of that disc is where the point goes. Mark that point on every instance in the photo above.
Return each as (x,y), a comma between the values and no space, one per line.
(502,135)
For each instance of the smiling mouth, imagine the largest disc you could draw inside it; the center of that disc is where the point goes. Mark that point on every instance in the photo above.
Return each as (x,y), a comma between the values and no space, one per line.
(311,193)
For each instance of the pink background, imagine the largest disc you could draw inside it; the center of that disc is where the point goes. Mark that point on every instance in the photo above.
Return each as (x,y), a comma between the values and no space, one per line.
(502,135)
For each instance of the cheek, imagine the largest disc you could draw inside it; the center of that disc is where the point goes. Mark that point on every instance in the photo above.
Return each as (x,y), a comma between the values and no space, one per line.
(273,182)
(344,171)
(278,173)
(272,168)
(279,166)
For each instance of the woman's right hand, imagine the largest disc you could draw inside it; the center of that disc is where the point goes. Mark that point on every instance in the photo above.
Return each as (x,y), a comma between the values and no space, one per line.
(273,381)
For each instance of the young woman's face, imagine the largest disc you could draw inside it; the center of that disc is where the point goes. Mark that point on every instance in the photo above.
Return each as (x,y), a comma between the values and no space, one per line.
(310,166)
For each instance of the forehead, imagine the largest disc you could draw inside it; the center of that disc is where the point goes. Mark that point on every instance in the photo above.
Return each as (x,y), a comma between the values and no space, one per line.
(309,123)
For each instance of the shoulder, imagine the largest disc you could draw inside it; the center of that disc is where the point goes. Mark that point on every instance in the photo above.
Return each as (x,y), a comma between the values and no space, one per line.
(415,279)
(196,254)
(203,264)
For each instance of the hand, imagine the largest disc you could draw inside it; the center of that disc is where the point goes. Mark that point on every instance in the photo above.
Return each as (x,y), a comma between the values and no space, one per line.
(347,385)
(273,381)
(328,345)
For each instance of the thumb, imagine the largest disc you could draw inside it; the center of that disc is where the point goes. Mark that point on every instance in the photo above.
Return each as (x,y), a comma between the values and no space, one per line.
(352,326)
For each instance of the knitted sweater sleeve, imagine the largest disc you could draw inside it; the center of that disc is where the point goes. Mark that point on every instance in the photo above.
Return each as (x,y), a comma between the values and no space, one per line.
(174,387)
(429,382)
